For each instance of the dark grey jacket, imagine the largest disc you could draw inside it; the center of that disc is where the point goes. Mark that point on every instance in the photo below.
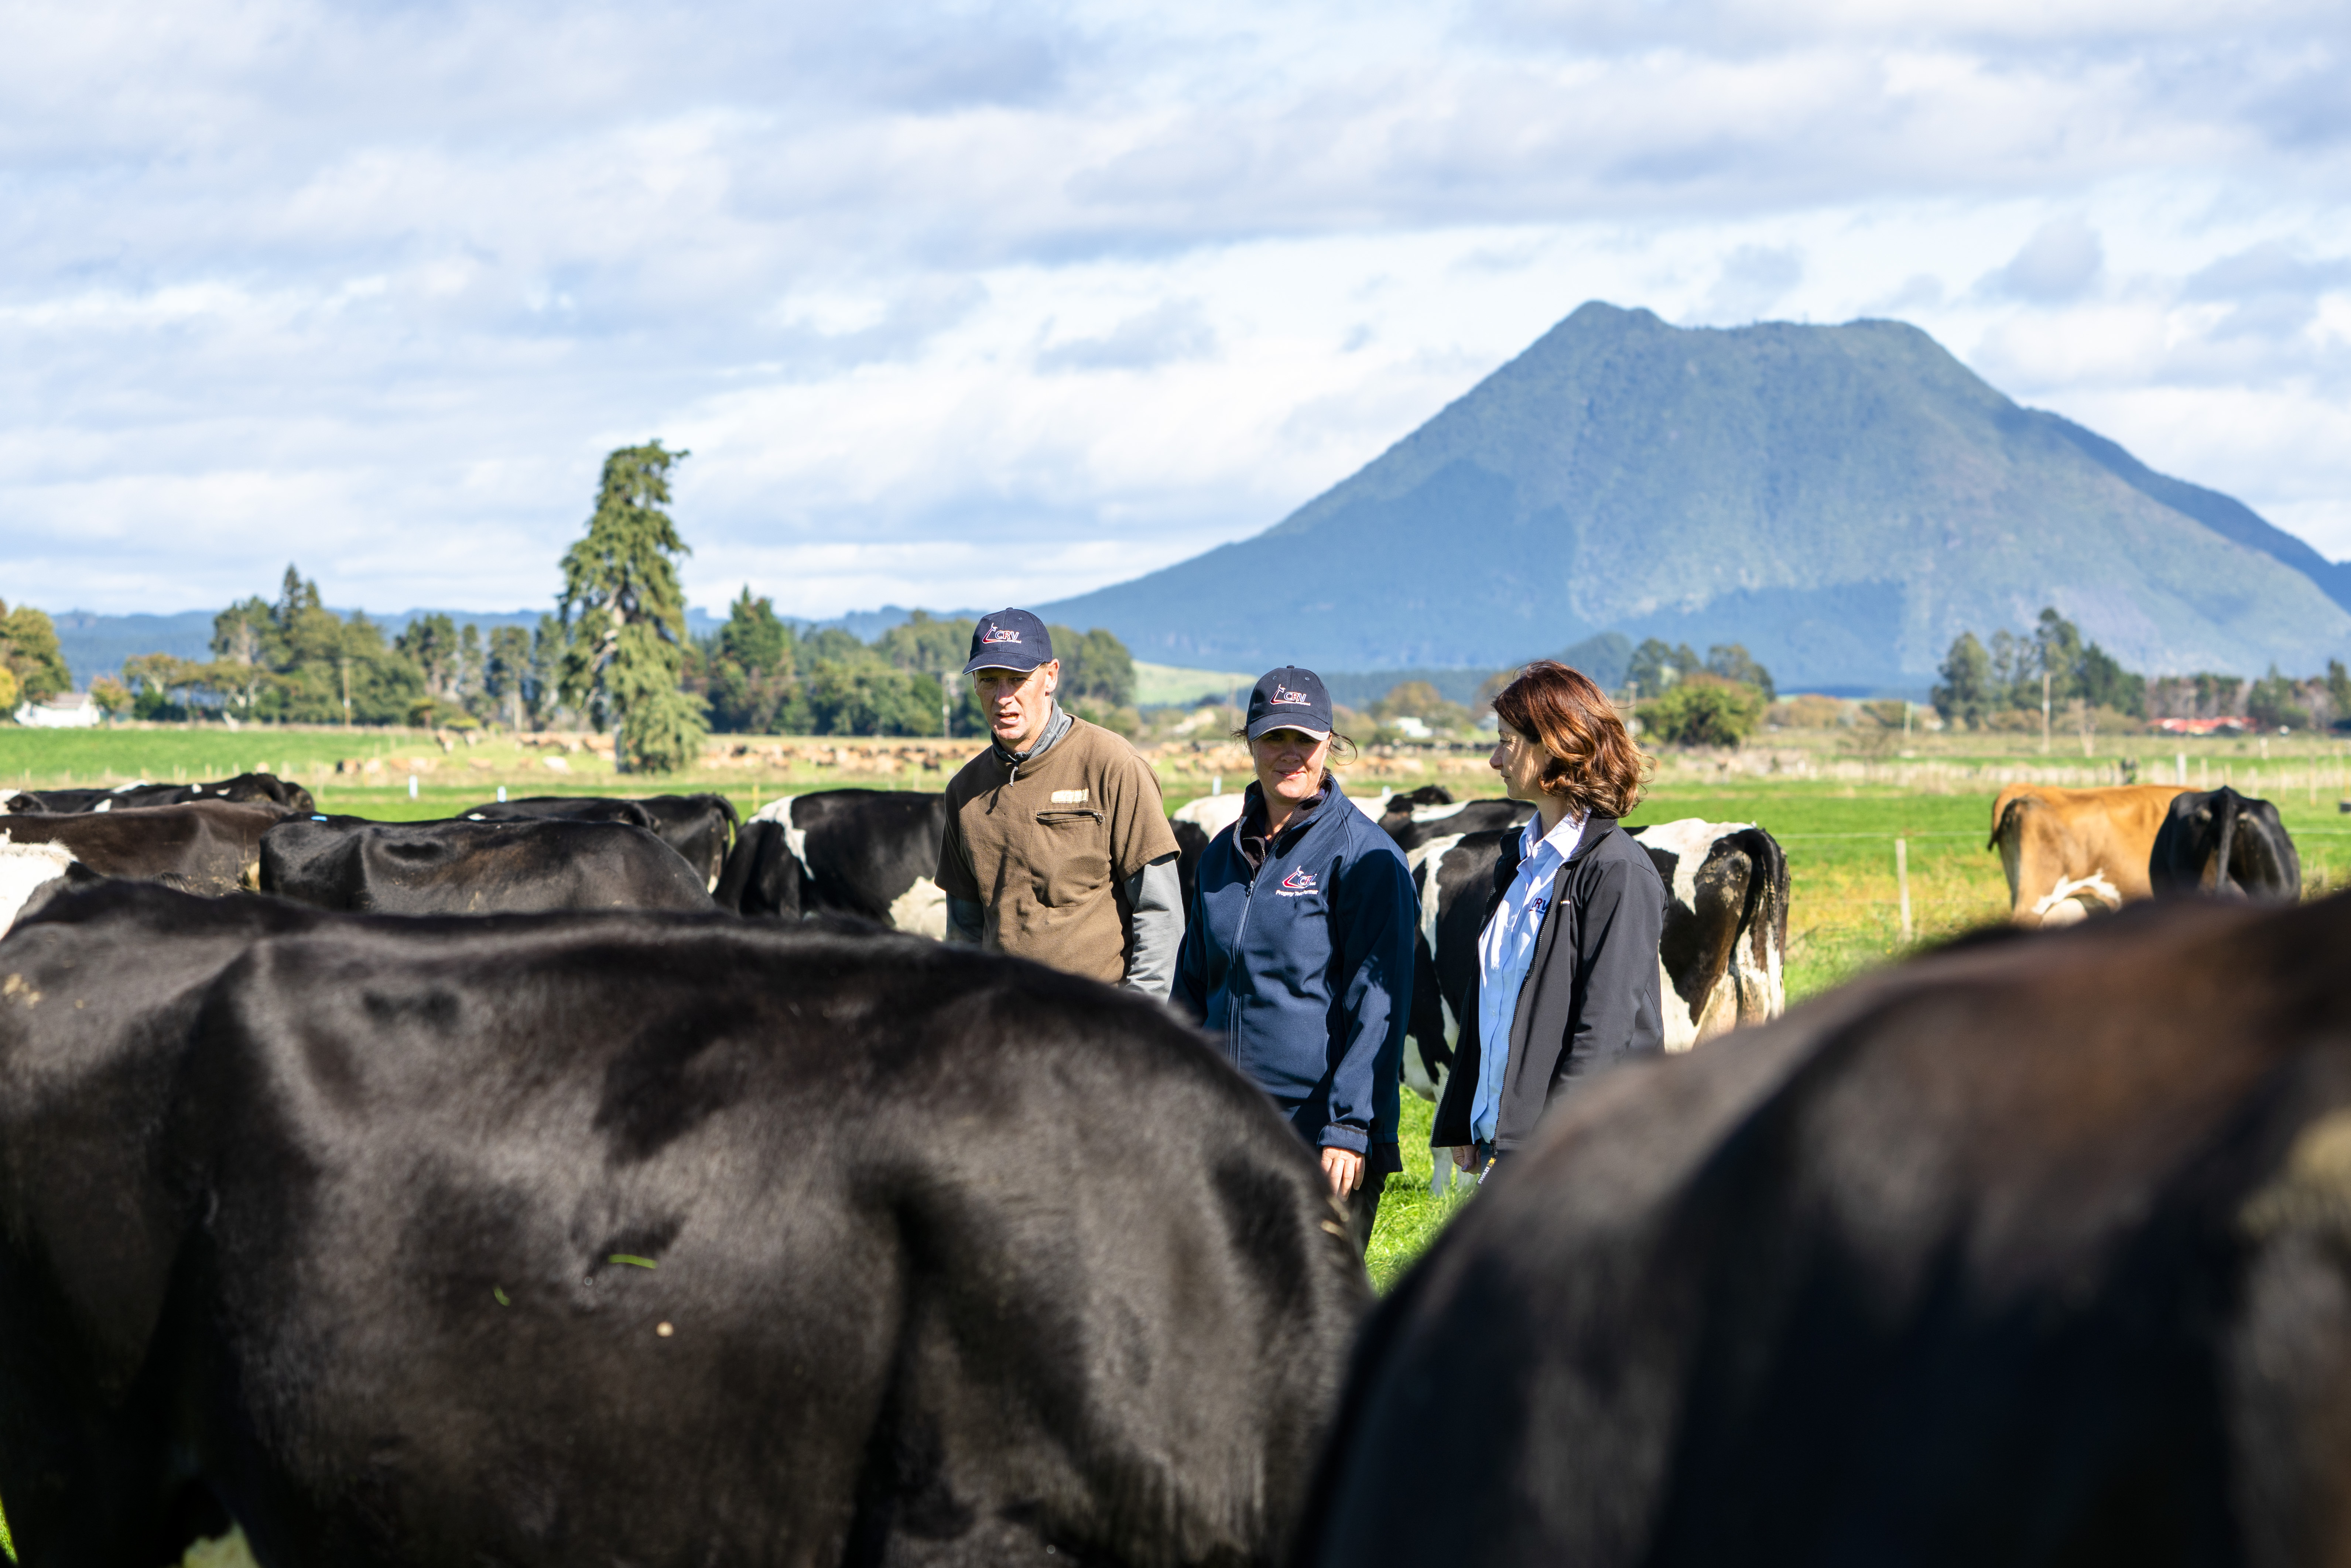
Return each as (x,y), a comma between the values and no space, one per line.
(1591,995)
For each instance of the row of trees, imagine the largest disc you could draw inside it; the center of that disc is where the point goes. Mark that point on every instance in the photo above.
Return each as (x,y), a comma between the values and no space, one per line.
(292,660)
(2013,674)
(758,676)
(2017,673)
(1656,667)
(615,656)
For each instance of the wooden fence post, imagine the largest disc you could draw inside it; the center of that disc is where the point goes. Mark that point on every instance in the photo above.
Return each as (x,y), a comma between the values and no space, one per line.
(1902,882)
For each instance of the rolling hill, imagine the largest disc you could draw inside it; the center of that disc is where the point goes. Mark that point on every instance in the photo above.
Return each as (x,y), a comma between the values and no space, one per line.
(1844,500)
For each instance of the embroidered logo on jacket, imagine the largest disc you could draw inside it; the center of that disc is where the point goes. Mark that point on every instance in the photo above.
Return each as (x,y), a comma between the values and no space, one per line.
(1001,634)
(1298,881)
(1283,694)
(1069,797)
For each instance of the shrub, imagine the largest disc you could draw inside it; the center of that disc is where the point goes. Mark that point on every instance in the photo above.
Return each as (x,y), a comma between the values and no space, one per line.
(1700,710)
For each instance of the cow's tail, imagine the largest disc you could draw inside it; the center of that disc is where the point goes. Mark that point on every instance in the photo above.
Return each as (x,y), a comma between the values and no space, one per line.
(2228,804)
(2011,813)
(1764,920)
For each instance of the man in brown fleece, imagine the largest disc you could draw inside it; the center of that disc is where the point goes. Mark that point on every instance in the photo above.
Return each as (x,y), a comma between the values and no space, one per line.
(1057,847)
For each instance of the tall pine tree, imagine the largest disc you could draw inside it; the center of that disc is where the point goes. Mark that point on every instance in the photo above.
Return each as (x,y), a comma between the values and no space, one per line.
(624,616)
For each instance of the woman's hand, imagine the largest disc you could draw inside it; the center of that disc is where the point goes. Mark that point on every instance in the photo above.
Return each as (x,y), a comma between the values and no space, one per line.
(1344,1169)
(1462,1154)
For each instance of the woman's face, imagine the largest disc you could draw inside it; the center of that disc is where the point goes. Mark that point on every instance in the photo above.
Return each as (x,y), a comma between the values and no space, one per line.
(1289,763)
(1521,761)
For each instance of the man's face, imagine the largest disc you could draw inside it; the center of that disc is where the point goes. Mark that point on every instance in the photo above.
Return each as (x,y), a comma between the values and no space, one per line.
(1015,701)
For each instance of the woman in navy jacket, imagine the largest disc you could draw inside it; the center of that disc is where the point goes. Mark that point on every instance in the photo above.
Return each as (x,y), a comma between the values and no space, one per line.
(1297,952)
(1567,961)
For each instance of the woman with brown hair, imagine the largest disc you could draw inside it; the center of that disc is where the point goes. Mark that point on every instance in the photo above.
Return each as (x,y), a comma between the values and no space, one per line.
(1567,961)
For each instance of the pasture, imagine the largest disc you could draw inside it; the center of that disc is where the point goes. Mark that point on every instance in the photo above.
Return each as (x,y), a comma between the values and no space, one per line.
(1837,802)
(1838,806)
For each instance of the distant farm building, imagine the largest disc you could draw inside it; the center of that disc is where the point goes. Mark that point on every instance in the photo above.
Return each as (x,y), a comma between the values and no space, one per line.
(67,710)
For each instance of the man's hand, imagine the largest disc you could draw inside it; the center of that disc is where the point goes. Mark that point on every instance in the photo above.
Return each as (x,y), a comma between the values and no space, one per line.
(1344,1169)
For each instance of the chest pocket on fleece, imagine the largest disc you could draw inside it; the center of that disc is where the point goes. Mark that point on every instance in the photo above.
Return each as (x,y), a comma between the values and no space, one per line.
(1073,856)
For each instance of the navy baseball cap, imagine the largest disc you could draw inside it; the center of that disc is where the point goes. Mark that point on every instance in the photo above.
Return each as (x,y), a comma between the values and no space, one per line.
(1290,698)
(1010,640)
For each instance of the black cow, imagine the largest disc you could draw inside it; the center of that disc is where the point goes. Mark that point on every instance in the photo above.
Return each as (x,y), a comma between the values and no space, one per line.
(1425,823)
(1721,954)
(210,846)
(700,827)
(2219,842)
(474,868)
(243,788)
(2036,1251)
(873,853)
(652,1240)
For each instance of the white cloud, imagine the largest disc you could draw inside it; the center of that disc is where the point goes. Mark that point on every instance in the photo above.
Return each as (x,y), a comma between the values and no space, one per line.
(374,288)
(2058,264)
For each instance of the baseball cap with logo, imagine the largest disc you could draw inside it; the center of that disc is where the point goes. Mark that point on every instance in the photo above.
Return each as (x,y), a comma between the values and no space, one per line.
(1290,698)
(1010,640)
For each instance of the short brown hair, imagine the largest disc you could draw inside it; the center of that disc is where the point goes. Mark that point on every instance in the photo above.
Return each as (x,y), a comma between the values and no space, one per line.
(1593,765)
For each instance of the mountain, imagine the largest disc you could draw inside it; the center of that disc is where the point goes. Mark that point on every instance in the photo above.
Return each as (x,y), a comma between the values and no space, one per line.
(1844,500)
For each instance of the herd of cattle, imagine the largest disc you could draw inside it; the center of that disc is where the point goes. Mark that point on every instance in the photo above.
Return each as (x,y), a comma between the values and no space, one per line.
(602,1181)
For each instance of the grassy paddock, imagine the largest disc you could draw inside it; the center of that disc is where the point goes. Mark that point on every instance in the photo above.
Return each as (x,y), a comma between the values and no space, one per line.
(1837,808)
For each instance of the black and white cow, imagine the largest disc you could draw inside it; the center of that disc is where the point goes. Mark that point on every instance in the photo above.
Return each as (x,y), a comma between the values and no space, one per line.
(701,828)
(2219,841)
(1720,956)
(243,789)
(2034,1250)
(668,1240)
(210,847)
(460,867)
(1426,820)
(873,853)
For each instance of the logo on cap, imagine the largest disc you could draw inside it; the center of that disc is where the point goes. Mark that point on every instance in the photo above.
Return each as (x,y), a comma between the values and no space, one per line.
(1001,634)
(1283,694)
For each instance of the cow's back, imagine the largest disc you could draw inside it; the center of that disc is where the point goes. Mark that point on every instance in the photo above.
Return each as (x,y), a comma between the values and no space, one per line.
(570,1244)
(529,866)
(2032,1251)
(211,846)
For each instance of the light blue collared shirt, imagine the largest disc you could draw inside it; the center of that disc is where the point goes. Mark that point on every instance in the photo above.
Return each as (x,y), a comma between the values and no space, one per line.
(1506,951)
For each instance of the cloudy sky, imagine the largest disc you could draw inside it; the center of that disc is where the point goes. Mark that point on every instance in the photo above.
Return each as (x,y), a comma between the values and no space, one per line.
(960,304)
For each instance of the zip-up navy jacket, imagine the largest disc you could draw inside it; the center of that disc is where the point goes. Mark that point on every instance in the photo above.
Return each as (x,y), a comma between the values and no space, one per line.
(1303,968)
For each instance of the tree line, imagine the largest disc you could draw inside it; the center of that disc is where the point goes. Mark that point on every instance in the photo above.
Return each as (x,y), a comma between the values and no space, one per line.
(614,654)
(2007,680)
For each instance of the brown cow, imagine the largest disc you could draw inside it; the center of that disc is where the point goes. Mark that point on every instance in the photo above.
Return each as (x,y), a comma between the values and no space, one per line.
(2065,851)
(210,846)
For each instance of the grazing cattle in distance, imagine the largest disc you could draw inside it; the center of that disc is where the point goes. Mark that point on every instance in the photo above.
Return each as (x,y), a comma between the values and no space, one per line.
(246,787)
(556,1239)
(2067,851)
(1720,957)
(2022,1252)
(699,827)
(210,847)
(2219,842)
(529,866)
(871,854)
